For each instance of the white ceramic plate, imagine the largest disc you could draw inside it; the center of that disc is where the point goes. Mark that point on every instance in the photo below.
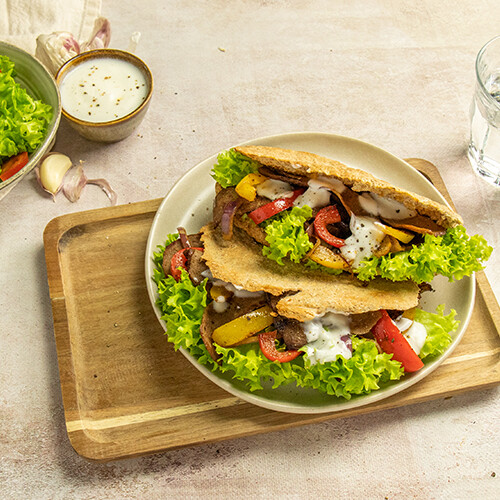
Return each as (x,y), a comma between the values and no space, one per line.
(189,204)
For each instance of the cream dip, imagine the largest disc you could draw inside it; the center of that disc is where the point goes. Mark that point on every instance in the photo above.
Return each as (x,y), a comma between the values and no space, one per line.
(103,89)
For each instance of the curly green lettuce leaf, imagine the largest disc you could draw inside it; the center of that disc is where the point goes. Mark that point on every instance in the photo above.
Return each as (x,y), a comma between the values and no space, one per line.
(361,374)
(248,364)
(23,119)
(231,167)
(453,255)
(438,326)
(182,305)
(286,235)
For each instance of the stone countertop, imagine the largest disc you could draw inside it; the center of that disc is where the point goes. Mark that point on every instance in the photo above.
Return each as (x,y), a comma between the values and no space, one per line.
(396,74)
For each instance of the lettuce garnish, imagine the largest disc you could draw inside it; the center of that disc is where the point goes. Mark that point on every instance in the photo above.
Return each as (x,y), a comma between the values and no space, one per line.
(286,235)
(183,304)
(231,167)
(453,255)
(438,328)
(23,119)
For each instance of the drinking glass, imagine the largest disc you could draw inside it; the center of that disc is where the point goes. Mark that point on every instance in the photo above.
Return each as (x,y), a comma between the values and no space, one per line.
(484,145)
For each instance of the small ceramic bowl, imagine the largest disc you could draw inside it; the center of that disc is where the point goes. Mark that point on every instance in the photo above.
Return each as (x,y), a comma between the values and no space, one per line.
(36,79)
(111,130)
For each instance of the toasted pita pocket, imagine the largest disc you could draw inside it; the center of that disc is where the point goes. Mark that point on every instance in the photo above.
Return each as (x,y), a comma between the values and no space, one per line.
(310,293)
(304,164)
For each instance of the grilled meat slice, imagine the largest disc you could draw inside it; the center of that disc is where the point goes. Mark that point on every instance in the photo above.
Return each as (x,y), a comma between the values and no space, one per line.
(291,331)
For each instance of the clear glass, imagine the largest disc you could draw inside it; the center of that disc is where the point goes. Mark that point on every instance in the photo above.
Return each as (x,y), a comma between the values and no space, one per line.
(484,145)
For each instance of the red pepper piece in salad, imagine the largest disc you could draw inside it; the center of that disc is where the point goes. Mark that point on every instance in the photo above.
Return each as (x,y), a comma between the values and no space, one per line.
(268,348)
(328,215)
(178,262)
(392,341)
(273,207)
(13,165)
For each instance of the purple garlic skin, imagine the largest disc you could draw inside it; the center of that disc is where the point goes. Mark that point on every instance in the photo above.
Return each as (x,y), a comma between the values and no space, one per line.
(55,49)
(101,36)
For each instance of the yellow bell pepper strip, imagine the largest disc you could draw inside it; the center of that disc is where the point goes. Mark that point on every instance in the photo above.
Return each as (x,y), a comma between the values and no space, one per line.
(328,258)
(399,234)
(243,327)
(246,187)
(219,291)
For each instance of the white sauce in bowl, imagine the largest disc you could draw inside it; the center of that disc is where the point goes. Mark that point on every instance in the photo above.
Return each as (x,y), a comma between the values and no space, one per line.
(103,89)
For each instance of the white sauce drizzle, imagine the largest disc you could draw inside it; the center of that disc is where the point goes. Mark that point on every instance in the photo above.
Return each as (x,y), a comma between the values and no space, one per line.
(237,291)
(329,183)
(364,240)
(414,332)
(384,207)
(103,90)
(313,197)
(220,304)
(368,204)
(324,338)
(274,189)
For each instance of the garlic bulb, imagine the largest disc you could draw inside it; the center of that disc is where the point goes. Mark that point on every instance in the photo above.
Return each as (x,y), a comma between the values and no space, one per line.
(55,49)
(52,171)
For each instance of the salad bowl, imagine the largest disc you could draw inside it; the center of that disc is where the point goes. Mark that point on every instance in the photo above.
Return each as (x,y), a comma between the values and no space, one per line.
(39,83)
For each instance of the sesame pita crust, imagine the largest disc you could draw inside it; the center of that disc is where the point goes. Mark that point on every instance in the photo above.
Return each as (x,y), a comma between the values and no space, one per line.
(311,292)
(311,165)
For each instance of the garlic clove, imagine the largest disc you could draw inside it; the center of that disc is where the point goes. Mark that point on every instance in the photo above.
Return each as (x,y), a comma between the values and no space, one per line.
(100,37)
(52,171)
(74,183)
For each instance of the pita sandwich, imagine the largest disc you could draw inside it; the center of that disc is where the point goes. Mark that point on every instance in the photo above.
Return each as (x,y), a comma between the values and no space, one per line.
(316,211)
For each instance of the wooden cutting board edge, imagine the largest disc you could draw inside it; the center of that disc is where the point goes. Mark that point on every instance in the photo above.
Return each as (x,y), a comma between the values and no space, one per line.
(59,226)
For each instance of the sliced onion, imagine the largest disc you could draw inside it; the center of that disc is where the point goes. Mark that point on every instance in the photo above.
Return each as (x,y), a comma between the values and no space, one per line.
(347,341)
(227,219)
(183,237)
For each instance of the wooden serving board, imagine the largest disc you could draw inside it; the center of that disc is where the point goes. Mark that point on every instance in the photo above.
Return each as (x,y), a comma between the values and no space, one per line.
(125,390)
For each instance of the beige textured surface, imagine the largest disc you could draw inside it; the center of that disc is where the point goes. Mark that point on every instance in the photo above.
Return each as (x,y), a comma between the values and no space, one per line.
(396,74)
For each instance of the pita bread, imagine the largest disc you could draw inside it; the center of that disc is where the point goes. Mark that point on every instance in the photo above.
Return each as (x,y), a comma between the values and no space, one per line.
(310,292)
(310,165)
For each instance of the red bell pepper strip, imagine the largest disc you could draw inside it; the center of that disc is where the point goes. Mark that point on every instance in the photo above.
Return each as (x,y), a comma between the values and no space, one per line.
(392,341)
(268,348)
(328,215)
(178,262)
(273,207)
(13,165)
